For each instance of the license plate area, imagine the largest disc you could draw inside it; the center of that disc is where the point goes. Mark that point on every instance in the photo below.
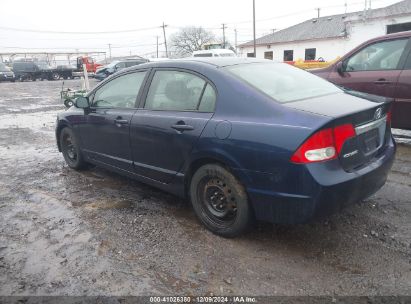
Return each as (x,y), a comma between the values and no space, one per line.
(371,136)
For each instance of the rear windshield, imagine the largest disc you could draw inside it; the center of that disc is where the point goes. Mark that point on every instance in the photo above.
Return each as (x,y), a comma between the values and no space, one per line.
(282,82)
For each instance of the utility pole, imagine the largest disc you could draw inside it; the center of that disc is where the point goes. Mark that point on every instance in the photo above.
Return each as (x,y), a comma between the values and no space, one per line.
(109,50)
(255,49)
(318,12)
(157,46)
(273,30)
(224,27)
(235,39)
(165,40)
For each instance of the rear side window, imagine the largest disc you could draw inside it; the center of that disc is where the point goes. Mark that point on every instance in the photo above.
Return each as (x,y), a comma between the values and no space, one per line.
(379,56)
(121,92)
(282,82)
(179,91)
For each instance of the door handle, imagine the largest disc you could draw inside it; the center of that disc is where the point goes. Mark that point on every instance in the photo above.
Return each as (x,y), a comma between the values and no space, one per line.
(182,127)
(120,122)
(382,81)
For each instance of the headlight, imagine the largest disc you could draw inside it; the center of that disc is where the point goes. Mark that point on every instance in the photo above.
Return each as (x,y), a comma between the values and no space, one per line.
(1,73)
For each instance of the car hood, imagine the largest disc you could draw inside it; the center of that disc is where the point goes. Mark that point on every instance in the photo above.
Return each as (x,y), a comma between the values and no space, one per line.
(339,104)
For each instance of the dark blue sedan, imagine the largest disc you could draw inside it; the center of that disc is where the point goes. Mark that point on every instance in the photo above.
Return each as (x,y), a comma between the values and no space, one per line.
(243,139)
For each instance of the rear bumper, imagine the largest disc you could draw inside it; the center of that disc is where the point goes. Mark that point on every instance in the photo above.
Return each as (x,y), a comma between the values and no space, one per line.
(331,189)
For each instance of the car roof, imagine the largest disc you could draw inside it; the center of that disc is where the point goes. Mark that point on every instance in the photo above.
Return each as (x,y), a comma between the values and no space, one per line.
(200,61)
(393,35)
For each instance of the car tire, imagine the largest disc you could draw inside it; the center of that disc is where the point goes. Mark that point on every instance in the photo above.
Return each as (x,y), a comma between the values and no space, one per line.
(68,103)
(55,76)
(220,201)
(71,149)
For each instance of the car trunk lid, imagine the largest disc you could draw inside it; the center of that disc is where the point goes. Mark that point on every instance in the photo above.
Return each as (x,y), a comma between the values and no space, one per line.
(368,114)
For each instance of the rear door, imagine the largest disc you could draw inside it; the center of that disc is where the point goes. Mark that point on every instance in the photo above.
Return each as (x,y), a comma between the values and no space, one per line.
(177,107)
(401,110)
(105,136)
(374,69)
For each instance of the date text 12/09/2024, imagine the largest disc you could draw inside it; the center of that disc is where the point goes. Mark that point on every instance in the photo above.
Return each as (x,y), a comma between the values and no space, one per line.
(203,299)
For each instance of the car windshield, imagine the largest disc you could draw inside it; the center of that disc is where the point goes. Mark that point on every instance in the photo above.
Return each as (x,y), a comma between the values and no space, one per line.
(282,82)
(112,64)
(4,68)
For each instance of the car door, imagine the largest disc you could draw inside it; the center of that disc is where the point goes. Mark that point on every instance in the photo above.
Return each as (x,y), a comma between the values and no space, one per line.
(373,69)
(401,110)
(177,107)
(105,135)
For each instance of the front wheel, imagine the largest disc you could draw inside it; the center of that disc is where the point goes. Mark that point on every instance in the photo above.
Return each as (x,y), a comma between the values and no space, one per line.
(71,150)
(220,201)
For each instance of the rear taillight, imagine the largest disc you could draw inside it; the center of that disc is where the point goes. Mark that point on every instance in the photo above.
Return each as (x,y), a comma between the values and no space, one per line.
(323,145)
(389,118)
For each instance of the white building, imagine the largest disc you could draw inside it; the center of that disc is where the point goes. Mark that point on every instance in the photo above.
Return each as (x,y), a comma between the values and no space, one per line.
(331,36)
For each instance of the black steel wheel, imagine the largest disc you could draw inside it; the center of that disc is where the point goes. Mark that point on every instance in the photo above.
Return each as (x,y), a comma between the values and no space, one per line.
(220,201)
(71,150)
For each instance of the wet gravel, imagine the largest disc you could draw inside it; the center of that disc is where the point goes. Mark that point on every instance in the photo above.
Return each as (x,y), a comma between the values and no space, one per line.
(93,232)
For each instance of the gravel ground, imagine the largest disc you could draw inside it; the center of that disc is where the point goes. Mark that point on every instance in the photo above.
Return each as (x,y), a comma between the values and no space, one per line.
(93,232)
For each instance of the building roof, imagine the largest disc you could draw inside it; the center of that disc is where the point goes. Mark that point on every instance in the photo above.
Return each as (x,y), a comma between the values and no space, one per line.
(329,26)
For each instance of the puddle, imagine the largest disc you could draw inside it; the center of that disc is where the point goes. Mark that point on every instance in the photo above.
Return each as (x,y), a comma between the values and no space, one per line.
(115,204)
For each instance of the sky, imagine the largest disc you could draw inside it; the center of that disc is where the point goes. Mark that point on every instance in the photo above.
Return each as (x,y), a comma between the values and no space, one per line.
(50,25)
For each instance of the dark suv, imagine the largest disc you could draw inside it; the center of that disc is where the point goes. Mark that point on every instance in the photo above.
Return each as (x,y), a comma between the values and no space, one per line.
(380,66)
(5,73)
(116,66)
(33,70)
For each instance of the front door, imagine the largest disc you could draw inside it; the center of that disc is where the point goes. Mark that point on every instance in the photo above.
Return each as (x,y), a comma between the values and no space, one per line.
(163,133)
(374,69)
(106,134)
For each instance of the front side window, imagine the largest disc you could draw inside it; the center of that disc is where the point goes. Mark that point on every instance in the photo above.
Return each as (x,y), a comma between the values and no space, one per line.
(177,91)
(376,57)
(282,82)
(120,92)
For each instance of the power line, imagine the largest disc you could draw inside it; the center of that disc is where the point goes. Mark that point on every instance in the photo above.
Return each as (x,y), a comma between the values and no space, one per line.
(74,33)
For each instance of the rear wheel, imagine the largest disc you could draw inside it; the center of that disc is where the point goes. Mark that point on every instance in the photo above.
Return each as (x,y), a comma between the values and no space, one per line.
(220,201)
(71,150)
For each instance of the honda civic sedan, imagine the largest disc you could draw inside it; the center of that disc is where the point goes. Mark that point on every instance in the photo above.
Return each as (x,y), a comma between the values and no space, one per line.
(242,139)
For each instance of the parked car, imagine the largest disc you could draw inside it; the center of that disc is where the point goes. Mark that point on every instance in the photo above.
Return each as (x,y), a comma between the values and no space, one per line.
(241,138)
(380,66)
(6,74)
(214,53)
(33,70)
(117,65)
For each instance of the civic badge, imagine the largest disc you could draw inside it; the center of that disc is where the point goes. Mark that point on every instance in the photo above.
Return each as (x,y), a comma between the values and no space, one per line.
(378,113)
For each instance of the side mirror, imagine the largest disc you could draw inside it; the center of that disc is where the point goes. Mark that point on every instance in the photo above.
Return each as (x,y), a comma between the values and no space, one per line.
(340,68)
(82,102)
